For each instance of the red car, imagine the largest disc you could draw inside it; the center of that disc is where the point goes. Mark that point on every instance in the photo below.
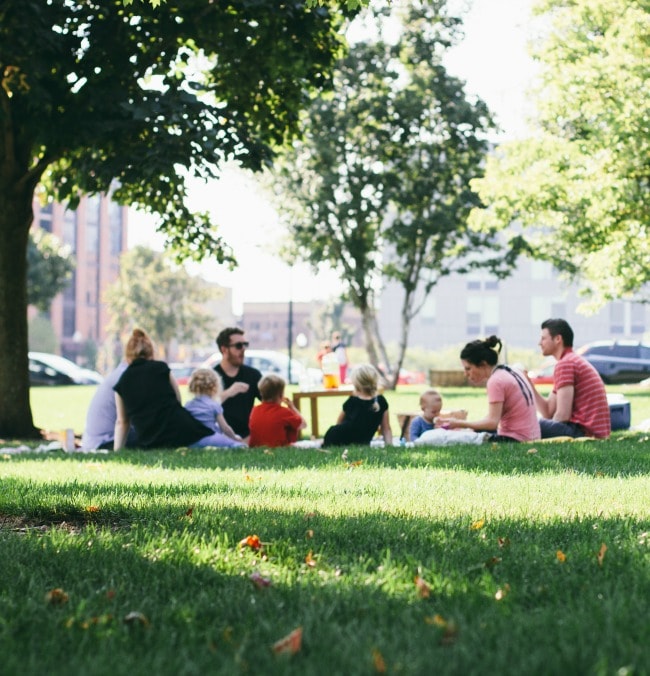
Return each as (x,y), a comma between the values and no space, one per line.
(544,374)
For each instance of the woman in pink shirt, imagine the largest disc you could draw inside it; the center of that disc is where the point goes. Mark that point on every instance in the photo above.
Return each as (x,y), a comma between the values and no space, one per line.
(511,412)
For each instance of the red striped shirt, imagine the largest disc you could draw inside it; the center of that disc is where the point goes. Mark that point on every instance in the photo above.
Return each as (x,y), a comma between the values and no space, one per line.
(590,407)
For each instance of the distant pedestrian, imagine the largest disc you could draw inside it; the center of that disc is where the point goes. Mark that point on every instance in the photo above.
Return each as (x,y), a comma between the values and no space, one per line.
(340,350)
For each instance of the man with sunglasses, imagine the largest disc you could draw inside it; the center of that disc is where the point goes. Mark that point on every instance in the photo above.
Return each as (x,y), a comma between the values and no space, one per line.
(239,380)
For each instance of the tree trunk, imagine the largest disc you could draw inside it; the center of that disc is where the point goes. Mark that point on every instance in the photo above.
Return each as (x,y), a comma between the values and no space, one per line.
(407,316)
(16,216)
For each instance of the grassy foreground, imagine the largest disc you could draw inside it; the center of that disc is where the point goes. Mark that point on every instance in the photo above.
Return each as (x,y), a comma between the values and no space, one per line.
(516,559)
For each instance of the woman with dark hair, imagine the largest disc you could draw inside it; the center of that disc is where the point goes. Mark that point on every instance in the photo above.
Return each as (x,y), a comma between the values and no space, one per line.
(147,396)
(511,412)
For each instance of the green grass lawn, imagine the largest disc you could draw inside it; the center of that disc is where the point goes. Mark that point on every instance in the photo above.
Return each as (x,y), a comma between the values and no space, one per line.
(498,559)
(509,559)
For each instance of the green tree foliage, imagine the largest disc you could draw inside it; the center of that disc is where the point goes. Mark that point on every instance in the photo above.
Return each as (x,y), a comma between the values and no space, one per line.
(98,96)
(49,268)
(579,188)
(154,293)
(380,184)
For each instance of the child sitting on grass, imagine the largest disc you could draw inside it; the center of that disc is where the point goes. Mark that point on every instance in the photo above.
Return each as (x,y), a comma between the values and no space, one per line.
(205,385)
(362,413)
(431,405)
(271,423)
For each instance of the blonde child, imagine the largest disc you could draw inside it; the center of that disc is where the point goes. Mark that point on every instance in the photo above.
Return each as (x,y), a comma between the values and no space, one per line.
(362,413)
(272,423)
(205,385)
(431,405)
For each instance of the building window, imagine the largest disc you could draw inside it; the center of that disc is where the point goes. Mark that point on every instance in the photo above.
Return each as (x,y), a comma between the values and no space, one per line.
(70,229)
(92,225)
(617,318)
(45,217)
(473,284)
(492,285)
(115,227)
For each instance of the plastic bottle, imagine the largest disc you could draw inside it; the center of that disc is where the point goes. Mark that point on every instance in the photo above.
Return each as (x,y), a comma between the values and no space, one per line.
(330,366)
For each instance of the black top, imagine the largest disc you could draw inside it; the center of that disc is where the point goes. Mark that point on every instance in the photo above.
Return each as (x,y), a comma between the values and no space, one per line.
(237,409)
(150,401)
(360,424)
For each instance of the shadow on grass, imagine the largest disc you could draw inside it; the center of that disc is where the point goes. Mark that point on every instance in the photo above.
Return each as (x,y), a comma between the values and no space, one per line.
(200,612)
(623,455)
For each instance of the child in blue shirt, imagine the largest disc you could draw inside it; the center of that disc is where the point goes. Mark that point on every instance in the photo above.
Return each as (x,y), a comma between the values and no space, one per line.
(431,404)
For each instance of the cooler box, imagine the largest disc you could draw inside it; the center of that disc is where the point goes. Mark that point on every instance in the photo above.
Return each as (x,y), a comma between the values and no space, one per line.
(619,411)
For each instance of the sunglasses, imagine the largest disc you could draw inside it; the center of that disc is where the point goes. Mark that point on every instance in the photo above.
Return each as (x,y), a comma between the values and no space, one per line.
(239,346)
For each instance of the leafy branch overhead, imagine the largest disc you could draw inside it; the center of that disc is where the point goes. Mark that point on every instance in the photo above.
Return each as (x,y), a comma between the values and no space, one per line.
(379,186)
(132,99)
(578,190)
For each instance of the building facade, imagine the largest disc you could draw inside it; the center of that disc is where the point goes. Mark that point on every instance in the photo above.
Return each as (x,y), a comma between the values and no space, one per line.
(465,307)
(96,232)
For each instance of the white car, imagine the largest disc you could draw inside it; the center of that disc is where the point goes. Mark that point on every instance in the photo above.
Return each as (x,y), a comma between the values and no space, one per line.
(271,361)
(52,369)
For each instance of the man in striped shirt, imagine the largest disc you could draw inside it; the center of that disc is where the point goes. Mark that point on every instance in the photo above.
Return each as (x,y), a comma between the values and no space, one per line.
(577,406)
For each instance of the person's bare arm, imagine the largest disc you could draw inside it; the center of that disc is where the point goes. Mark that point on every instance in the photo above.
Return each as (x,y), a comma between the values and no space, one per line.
(232,391)
(488,423)
(564,404)
(545,405)
(122,424)
(386,431)
(226,429)
(292,407)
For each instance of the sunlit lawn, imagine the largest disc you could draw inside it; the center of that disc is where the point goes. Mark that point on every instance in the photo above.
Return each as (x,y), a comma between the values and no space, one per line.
(512,559)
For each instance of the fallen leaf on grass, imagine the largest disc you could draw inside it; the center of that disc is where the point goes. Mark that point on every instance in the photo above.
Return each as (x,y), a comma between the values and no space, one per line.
(92,508)
(189,512)
(344,455)
(290,644)
(436,620)
(309,534)
(492,561)
(259,580)
(601,554)
(503,542)
(110,594)
(531,451)
(56,597)
(449,628)
(423,589)
(251,541)
(267,452)
(378,661)
(560,556)
(310,560)
(136,618)
(356,463)
(477,525)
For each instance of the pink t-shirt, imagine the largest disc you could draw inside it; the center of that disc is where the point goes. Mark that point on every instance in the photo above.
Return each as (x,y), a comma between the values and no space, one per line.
(519,416)
(590,407)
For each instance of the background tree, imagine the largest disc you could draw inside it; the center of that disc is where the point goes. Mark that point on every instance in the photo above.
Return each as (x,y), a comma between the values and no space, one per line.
(579,188)
(103,97)
(49,268)
(379,185)
(156,294)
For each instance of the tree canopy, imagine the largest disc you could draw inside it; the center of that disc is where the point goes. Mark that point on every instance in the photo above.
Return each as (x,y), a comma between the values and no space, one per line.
(99,96)
(154,293)
(49,267)
(578,189)
(380,183)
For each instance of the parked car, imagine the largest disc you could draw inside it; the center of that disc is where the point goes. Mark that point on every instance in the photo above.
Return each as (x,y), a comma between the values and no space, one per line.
(182,372)
(618,361)
(544,374)
(271,361)
(52,369)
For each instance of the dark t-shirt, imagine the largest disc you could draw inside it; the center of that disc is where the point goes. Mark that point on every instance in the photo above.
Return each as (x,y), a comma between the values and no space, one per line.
(360,424)
(150,401)
(237,409)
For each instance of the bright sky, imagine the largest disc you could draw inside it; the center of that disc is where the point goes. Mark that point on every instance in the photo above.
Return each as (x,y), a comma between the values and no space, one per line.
(492,59)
